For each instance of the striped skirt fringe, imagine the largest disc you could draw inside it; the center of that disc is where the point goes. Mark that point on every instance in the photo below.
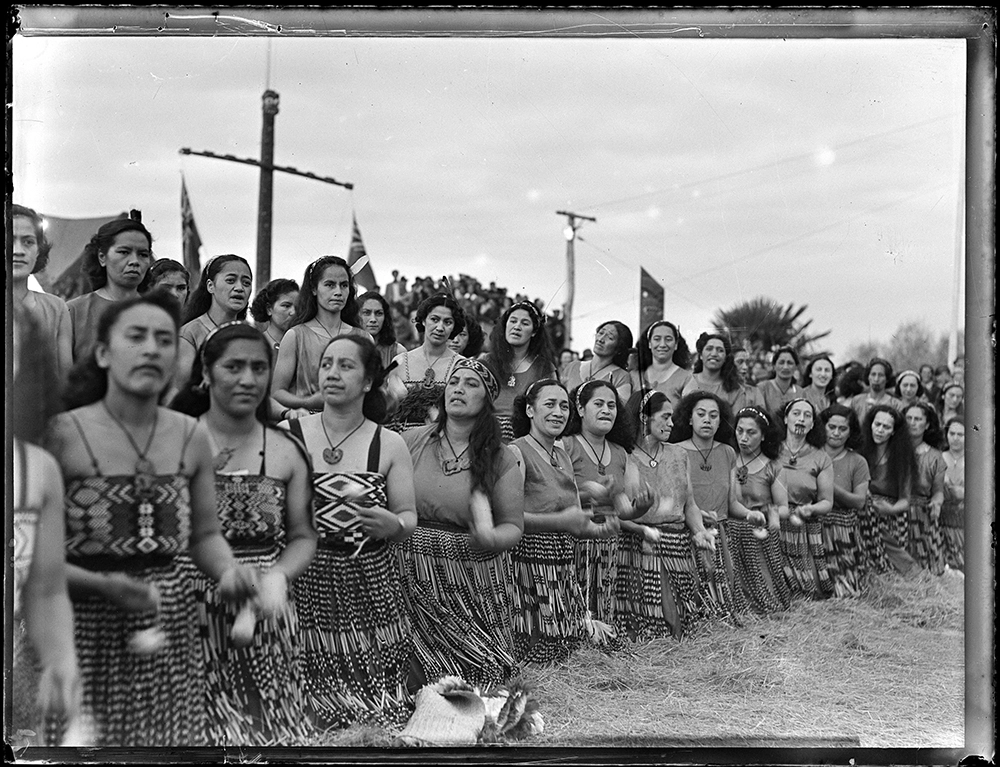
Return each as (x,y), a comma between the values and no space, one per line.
(136,701)
(356,637)
(771,547)
(873,557)
(657,593)
(953,530)
(597,572)
(894,530)
(840,542)
(805,559)
(716,587)
(460,604)
(754,579)
(926,538)
(549,612)
(254,693)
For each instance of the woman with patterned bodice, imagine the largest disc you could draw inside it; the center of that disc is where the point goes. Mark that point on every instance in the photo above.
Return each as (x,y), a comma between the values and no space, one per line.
(416,382)
(140,499)
(456,569)
(355,631)
(549,611)
(263,494)
(326,308)
(851,477)
(44,675)
(953,509)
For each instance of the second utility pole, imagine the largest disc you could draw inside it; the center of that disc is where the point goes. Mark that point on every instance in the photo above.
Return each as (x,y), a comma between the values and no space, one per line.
(570,234)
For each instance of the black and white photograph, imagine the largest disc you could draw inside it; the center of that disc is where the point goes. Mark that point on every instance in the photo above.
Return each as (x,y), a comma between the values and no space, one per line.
(518,383)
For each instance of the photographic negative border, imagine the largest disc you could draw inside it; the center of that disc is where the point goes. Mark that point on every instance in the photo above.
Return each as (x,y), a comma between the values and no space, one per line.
(975,25)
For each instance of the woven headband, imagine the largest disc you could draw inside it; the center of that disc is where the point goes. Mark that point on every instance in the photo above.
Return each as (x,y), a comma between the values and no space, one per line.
(530,308)
(477,367)
(755,411)
(661,323)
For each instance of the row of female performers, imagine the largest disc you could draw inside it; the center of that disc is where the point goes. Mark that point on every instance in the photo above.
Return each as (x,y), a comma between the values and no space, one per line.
(239,582)
(119,264)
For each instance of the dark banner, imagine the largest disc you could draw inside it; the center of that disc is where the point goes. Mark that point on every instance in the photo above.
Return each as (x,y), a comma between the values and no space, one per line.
(650,301)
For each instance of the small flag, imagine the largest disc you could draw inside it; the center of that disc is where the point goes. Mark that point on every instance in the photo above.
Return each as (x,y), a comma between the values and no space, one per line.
(64,275)
(651,300)
(359,261)
(190,237)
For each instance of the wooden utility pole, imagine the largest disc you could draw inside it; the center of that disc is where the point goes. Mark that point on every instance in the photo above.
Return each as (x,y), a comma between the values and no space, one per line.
(570,234)
(266,196)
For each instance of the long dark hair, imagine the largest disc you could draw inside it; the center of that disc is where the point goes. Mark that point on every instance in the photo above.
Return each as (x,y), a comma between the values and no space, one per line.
(88,382)
(729,372)
(770,443)
(520,422)
(267,295)
(501,354)
(194,398)
(900,458)
(681,356)
(683,430)
(387,335)
(102,241)
(35,392)
(831,388)
(622,432)
(307,307)
(474,346)
(624,345)
(44,246)
(375,405)
(933,436)
(854,438)
(485,444)
(200,300)
(817,434)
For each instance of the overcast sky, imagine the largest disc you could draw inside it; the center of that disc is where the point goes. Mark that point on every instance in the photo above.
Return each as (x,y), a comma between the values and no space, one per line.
(819,172)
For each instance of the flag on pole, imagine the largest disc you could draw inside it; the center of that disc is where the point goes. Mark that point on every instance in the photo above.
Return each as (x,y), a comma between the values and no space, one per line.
(359,261)
(189,237)
(651,301)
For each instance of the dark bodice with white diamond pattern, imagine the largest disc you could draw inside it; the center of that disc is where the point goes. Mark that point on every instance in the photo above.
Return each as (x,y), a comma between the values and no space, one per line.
(337,499)
(251,508)
(105,519)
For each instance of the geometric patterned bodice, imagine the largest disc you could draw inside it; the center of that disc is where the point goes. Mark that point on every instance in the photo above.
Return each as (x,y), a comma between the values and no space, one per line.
(251,508)
(337,497)
(103,517)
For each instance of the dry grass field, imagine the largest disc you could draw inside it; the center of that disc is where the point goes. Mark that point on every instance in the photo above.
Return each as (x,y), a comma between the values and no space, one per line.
(881,671)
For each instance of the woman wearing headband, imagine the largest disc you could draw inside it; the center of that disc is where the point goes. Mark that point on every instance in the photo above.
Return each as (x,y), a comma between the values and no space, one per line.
(140,506)
(878,376)
(356,635)
(455,567)
(663,361)
(418,377)
(808,472)
(598,438)
(263,491)
(658,581)
(851,476)
(909,388)
(926,539)
(702,426)
(222,295)
(326,309)
(755,547)
(950,402)
(171,276)
(521,354)
(612,344)
(549,611)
